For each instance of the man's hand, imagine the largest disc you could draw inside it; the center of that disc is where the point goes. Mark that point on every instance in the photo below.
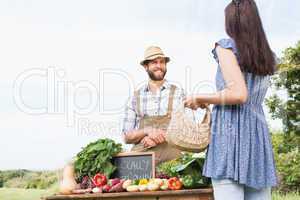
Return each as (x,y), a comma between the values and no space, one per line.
(157,135)
(148,142)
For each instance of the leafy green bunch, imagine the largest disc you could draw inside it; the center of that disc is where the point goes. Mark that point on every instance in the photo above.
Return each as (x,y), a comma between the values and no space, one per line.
(96,158)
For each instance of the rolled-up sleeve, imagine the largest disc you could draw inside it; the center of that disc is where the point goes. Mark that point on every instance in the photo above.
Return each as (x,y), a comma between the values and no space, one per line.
(181,95)
(130,116)
(178,98)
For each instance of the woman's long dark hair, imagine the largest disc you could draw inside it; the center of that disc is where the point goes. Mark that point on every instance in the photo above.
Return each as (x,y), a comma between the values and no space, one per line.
(244,26)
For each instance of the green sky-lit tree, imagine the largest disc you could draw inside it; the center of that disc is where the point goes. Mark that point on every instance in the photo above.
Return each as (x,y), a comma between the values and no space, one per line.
(288,108)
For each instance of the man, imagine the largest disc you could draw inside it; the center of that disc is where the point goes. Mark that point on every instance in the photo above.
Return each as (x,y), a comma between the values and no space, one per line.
(148,112)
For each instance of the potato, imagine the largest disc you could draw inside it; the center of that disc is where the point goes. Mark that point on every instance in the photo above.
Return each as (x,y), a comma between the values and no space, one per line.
(132,188)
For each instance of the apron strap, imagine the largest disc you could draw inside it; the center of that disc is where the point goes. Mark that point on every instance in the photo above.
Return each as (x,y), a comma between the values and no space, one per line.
(138,103)
(171,98)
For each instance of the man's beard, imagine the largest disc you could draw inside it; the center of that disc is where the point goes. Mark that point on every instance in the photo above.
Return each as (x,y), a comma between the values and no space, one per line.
(154,77)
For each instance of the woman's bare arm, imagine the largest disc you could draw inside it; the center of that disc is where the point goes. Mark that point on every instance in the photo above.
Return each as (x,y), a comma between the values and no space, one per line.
(235,91)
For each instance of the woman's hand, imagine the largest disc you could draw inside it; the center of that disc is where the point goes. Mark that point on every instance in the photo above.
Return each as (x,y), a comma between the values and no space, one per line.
(194,102)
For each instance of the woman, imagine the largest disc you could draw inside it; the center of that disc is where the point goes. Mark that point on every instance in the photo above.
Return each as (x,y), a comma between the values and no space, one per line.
(240,157)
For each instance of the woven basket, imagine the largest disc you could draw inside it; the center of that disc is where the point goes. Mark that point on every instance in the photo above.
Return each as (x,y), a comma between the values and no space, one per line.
(187,135)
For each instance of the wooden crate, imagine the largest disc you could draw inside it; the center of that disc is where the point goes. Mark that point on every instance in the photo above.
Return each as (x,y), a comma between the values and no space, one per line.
(193,194)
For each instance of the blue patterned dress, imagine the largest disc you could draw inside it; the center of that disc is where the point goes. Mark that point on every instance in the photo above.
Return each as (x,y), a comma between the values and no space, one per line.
(240,148)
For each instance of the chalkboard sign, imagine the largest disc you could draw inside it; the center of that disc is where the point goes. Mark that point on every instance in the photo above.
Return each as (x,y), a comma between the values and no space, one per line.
(134,165)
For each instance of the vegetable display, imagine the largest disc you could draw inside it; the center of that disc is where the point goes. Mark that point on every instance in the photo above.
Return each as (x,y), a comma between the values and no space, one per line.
(143,181)
(188,181)
(96,158)
(143,185)
(99,180)
(87,182)
(174,183)
(167,169)
(188,168)
(93,167)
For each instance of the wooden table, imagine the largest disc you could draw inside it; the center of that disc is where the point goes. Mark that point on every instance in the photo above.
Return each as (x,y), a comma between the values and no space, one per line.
(193,194)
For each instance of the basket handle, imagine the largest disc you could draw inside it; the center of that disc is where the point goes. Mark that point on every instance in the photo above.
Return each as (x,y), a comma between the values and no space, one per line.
(182,108)
(207,117)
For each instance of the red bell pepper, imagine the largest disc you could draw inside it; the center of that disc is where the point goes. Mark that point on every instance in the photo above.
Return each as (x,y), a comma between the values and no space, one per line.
(174,183)
(100,180)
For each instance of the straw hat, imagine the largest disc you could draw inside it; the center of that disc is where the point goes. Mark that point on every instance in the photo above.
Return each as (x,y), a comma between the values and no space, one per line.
(152,53)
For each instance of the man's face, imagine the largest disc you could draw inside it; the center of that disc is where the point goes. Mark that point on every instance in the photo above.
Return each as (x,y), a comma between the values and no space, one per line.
(156,69)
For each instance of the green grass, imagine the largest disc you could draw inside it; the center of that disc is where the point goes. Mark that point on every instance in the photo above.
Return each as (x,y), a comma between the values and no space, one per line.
(36,194)
(288,196)
(23,194)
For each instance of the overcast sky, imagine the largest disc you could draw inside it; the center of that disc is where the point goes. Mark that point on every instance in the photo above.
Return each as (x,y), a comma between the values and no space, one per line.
(76,62)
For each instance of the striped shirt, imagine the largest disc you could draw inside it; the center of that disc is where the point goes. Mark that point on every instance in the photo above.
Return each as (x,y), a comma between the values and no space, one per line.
(150,105)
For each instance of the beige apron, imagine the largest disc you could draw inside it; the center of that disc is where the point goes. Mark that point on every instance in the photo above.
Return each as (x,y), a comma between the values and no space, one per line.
(163,152)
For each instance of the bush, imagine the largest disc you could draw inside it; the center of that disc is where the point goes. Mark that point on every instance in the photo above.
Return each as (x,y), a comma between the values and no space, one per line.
(17,182)
(287,163)
(40,180)
(10,174)
(28,179)
(288,166)
(1,180)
